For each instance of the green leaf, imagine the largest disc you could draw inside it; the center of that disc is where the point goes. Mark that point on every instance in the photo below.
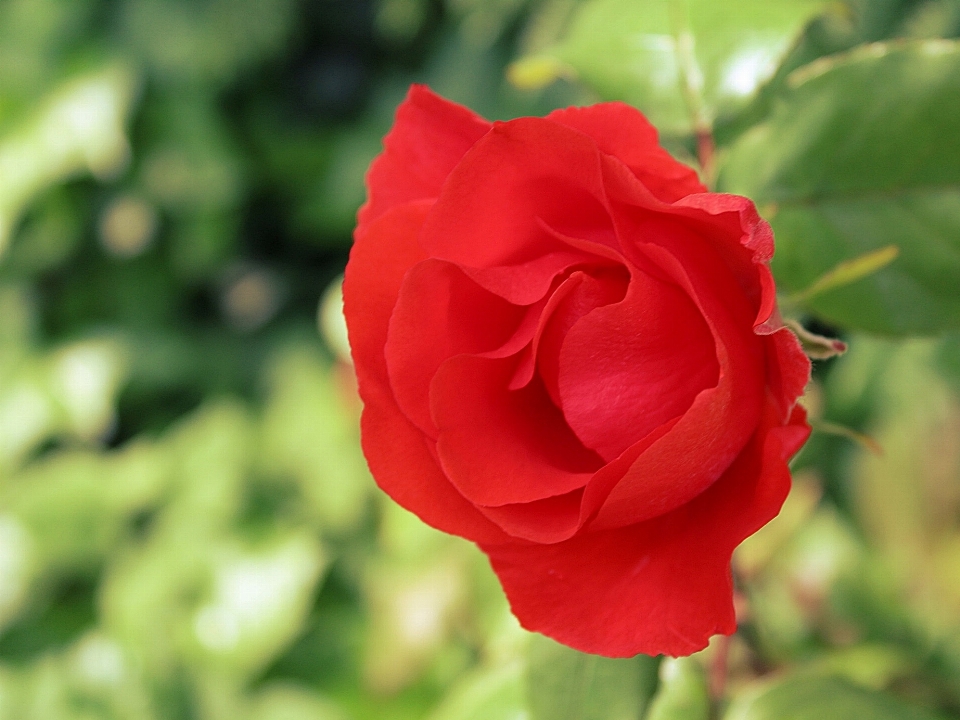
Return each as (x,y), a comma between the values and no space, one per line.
(664,55)
(683,692)
(821,698)
(564,684)
(863,152)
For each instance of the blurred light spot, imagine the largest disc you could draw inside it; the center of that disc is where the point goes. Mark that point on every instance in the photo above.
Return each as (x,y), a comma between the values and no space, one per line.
(422,608)
(251,300)
(413,612)
(25,417)
(85,379)
(669,669)
(420,612)
(746,70)
(331,323)
(658,60)
(251,594)
(14,566)
(91,119)
(127,226)
(100,660)
(217,628)
(937,46)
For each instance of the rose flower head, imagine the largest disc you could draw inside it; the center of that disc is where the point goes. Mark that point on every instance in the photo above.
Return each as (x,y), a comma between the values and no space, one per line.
(569,352)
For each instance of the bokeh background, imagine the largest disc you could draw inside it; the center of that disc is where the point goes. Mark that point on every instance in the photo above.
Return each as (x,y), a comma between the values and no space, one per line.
(187,526)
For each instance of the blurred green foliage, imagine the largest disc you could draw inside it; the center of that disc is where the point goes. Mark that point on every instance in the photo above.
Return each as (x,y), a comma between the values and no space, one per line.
(187,526)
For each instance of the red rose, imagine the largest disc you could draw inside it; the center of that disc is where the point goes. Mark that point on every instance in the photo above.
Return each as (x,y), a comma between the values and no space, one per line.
(569,352)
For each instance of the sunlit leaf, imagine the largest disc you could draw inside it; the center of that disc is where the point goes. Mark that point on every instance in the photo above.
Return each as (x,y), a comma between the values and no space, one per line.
(664,55)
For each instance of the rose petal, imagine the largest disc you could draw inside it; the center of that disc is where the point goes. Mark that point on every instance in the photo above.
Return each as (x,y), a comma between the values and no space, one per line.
(627,368)
(372,282)
(499,446)
(531,171)
(624,133)
(710,434)
(557,520)
(739,237)
(580,295)
(439,313)
(528,282)
(744,229)
(429,137)
(662,586)
(788,369)
(404,468)
(398,457)
(543,521)
(527,364)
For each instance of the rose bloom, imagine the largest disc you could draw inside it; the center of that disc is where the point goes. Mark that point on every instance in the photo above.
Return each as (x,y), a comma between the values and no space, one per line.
(569,353)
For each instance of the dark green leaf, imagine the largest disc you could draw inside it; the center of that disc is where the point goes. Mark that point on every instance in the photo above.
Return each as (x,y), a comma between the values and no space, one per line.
(863,152)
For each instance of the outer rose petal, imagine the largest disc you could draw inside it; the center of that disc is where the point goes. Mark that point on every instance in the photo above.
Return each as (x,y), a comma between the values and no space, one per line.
(623,132)
(661,586)
(404,467)
(788,369)
(741,238)
(429,137)
(399,459)
(520,177)
(382,253)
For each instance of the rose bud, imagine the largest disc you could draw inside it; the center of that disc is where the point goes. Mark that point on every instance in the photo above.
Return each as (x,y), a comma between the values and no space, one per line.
(568,352)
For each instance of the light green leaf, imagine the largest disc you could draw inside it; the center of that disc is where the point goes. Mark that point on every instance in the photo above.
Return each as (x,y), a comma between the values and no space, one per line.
(564,684)
(488,694)
(813,698)
(663,55)
(863,152)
